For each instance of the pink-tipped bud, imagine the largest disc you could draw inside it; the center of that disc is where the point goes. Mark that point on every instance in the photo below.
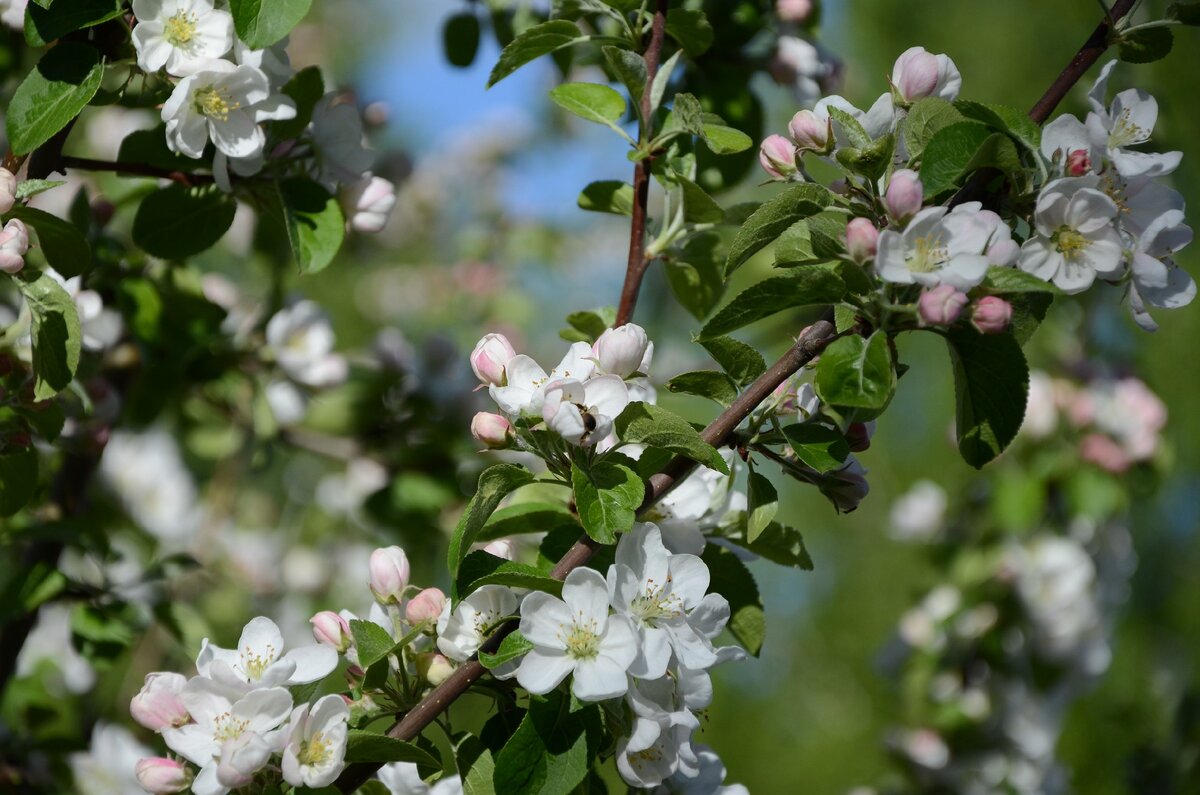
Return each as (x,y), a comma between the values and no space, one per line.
(794,11)
(861,240)
(434,668)
(859,434)
(905,194)
(619,351)
(491,355)
(389,574)
(991,315)
(159,704)
(811,132)
(502,548)
(492,430)
(777,156)
(330,629)
(159,774)
(8,190)
(1078,163)
(915,74)
(14,242)
(941,306)
(425,606)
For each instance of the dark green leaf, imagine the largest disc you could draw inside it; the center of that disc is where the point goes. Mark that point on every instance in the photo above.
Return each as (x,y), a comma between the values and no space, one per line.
(306,88)
(821,447)
(643,423)
(691,29)
(1146,45)
(55,333)
(513,646)
(771,220)
(372,642)
(707,384)
(1187,13)
(1005,119)
(177,222)
(696,273)
(991,385)
(261,23)
(608,196)
(481,568)
(63,245)
(460,37)
(606,496)
(814,240)
(592,323)
(739,360)
(551,751)
(365,746)
(526,517)
(533,43)
(18,479)
(495,483)
(57,89)
(149,147)
(949,153)
(925,118)
(45,23)
(698,206)
(811,285)
(314,222)
(762,505)
(857,373)
(731,579)
(777,543)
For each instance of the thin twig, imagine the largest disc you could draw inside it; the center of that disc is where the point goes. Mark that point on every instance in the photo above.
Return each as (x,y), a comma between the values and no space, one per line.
(187,178)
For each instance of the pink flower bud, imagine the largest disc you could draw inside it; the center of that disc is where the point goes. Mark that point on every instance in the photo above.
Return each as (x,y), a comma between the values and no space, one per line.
(332,630)
(991,315)
(619,351)
(502,548)
(861,239)
(491,355)
(159,774)
(389,574)
(1104,453)
(941,306)
(793,11)
(373,203)
(492,430)
(915,74)
(14,242)
(777,156)
(1078,163)
(811,132)
(8,190)
(425,606)
(159,705)
(905,194)
(434,668)
(859,434)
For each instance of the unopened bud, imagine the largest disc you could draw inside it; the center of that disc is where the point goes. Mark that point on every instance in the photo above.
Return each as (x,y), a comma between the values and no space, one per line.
(373,204)
(491,355)
(332,630)
(991,315)
(847,487)
(793,11)
(915,74)
(861,240)
(14,242)
(8,190)
(905,194)
(492,430)
(160,775)
(434,668)
(159,704)
(389,574)
(425,606)
(810,132)
(1078,163)
(619,351)
(859,434)
(777,156)
(103,211)
(941,306)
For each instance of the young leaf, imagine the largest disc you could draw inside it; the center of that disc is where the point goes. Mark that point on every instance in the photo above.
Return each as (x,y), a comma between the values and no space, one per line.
(32,187)
(368,746)
(608,196)
(63,245)
(606,496)
(949,153)
(739,360)
(1003,281)
(821,447)
(261,23)
(533,43)
(857,373)
(314,222)
(698,206)
(808,286)
(372,642)
(849,128)
(495,483)
(707,384)
(1006,119)
(513,646)
(771,220)
(730,578)
(654,426)
(630,69)
(720,138)
(593,102)
(991,385)
(177,222)
(762,505)
(55,333)
(57,89)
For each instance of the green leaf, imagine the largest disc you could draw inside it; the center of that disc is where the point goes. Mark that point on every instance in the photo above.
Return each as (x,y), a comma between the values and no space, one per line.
(739,360)
(608,196)
(478,780)
(811,285)
(949,153)
(63,245)
(1186,13)
(607,495)
(730,578)
(460,38)
(366,746)
(57,89)
(857,373)
(698,206)
(1146,45)
(695,272)
(54,332)
(593,102)
(658,88)
(630,69)
(533,43)
(177,222)
(870,161)
(1002,281)
(762,505)
(819,446)
(261,23)
(771,220)
(18,479)
(991,386)
(32,187)
(848,130)
(524,518)
(721,139)
(551,751)
(495,483)
(372,642)
(814,240)
(314,223)
(707,384)
(1029,310)
(999,152)
(45,23)
(481,568)
(777,543)
(654,426)
(590,324)
(925,118)
(687,113)
(513,646)
(691,29)
(305,88)
(1006,119)
(149,147)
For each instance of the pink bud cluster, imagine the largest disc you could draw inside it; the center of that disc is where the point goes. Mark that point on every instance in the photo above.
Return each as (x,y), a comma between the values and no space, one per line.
(942,306)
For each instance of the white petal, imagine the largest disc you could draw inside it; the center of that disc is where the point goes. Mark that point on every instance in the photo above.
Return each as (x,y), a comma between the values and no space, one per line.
(598,679)
(653,653)
(543,619)
(1089,210)
(607,395)
(192,742)
(261,639)
(312,663)
(585,593)
(206,782)
(237,136)
(691,649)
(264,709)
(710,616)
(620,641)
(689,579)
(541,671)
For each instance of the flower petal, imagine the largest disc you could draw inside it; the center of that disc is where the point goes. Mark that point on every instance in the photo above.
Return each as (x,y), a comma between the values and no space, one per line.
(541,671)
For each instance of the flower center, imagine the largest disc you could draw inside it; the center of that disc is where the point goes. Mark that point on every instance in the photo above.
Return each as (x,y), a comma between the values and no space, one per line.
(652,606)
(582,642)
(255,665)
(1125,132)
(226,727)
(316,751)
(1070,243)
(214,103)
(927,256)
(647,756)
(180,29)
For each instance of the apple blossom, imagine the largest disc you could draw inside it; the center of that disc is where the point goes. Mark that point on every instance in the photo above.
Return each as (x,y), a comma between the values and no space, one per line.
(8,190)
(316,747)
(240,759)
(390,570)
(709,778)
(371,203)
(109,765)
(159,704)
(461,632)
(810,132)
(904,195)
(1156,279)
(403,778)
(945,247)
(489,358)
(1128,121)
(14,242)
(331,630)
(101,326)
(804,67)
(182,36)
(223,102)
(862,238)
(991,315)
(1065,143)
(1075,240)
(273,60)
(301,337)
(524,387)
(653,752)
(12,13)
(1098,449)
(583,413)
(620,351)
(777,156)
(919,513)
(161,775)
(260,662)
(847,486)
(425,606)
(877,121)
(918,73)
(576,635)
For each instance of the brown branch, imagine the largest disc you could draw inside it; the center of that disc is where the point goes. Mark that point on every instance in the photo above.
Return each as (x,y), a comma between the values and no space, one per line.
(186,178)
(635,268)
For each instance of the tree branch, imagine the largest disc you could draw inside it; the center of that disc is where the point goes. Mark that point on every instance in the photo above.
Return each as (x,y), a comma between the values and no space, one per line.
(186,178)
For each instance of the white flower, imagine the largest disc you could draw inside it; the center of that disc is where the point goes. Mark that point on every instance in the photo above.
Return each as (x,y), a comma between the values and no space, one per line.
(1157,280)
(583,413)
(274,60)
(109,765)
(12,13)
(1127,122)
(461,633)
(1056,583)
(1142,200)
(803,66)
(229,727)
(654,751)
(576,635)
(709,778)
(316,748)
(371,202)
(1076,240)
(183,36)
(402,778)
(148,473)
(302,339)
(941,246)
(221,102)
(50,642)
(159,704)
(525,381)
(1067,145)
(656,590)
(259,660)
(918,513)
(698,503)
(337,133)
